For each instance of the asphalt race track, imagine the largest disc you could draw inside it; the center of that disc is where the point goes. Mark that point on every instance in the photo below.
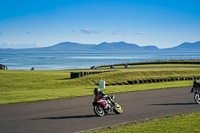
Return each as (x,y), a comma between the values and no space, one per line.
(76,114)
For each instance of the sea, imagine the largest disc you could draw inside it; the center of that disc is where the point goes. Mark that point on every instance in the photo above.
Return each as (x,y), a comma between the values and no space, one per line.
(63,61)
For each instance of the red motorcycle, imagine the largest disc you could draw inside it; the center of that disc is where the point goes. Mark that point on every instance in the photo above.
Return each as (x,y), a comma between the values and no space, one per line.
(106,105)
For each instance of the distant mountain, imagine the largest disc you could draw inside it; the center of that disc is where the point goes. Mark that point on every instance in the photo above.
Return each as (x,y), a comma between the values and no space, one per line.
(186,46)
(121,47)
(69,46)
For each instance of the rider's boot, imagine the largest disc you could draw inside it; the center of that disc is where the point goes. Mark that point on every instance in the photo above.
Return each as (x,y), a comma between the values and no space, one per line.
(192,90)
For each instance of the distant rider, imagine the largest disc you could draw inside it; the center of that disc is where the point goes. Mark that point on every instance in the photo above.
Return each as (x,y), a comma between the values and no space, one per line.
(196,84)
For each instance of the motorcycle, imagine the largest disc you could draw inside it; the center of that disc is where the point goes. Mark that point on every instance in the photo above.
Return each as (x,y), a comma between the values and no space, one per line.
(197,95)
(99,106)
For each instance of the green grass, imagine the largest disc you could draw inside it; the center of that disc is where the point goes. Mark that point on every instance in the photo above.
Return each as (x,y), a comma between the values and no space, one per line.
(142,87)
(154,65)
(23,86)
(165,65)
(124,76)
(182,123)
(186,62)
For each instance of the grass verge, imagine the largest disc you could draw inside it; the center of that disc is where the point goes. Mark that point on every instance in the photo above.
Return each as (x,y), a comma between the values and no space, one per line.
(155,65)
(182,123)
(23,86)
(26,95)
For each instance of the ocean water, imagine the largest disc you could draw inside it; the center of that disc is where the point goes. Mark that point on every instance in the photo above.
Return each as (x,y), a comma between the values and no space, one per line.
(61,61)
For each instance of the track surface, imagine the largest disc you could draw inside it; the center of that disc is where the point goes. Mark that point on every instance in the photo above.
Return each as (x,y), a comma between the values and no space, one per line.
(76,114)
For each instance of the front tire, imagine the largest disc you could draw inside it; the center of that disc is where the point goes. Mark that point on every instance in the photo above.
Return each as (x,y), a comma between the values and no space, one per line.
(99,111)
(118,108)
(197,98)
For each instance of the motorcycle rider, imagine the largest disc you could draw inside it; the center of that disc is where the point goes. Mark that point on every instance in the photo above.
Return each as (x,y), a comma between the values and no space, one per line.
(195,85)
(100,94)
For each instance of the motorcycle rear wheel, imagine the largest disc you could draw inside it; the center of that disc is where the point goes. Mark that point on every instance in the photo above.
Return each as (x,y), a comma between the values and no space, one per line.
(99,111)
(118,108)
(197,98)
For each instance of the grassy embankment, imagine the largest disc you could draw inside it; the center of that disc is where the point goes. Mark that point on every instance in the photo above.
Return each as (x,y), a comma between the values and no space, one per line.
(155,65)
(22,86)
(158,63)
(182,123)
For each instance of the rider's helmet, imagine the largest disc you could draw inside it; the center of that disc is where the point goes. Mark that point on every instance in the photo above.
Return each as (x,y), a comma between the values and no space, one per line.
(96,91)
(195,82)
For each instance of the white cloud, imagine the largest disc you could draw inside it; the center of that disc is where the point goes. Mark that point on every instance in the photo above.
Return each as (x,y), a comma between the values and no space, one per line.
(139,33)
(86,31)
(116,32)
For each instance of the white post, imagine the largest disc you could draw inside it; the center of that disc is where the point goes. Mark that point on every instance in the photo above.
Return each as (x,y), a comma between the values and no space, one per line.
(102,84)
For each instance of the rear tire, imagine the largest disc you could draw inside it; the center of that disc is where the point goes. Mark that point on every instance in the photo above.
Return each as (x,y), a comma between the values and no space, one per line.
(118,108)
(197,98)
(99,111)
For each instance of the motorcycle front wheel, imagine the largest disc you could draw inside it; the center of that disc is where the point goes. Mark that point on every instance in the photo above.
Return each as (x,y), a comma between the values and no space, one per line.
(118,108)
(99,111)
(197,98)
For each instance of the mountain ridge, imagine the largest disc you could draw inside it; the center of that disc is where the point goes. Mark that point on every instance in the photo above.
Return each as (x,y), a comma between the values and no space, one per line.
(186,46)
(71,47)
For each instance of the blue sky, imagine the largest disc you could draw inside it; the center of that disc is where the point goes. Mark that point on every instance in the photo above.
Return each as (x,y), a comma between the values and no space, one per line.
(41,23)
